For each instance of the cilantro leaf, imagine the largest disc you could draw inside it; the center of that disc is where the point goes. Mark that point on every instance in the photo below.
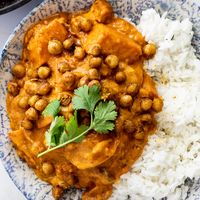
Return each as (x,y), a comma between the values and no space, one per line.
(104,115)
(52,108)
(73,130)
(86,98)
(53,134)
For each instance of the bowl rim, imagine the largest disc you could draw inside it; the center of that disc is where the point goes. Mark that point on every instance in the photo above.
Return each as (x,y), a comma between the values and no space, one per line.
(17,27)
(13,6)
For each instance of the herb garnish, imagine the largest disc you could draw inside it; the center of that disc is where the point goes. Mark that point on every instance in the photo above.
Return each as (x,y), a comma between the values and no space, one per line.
(102,116)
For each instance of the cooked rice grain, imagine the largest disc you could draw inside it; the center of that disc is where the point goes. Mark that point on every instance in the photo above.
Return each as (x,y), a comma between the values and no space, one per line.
(173,153)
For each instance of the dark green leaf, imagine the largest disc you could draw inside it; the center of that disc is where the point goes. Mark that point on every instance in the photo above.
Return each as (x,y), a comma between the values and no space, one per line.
(55,130)
(73,130)
(104,116)
(86,98)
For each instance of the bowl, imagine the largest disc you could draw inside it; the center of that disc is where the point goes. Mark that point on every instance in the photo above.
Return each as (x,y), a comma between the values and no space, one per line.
(7,6)
(22,176)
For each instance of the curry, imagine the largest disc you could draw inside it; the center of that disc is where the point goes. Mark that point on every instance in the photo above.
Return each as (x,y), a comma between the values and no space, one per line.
(67,51)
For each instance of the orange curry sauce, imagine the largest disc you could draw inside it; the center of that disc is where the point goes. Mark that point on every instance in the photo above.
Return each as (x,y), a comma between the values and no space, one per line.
(92,47)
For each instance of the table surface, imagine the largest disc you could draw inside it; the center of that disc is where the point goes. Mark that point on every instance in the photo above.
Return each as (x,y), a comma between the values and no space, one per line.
(8,190)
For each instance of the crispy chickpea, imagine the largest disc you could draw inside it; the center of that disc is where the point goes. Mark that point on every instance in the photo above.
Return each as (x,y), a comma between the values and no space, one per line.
(55,47)
(47,168)
(65,98)
(139,135)
(112,61)
(57,191)
(23,102)
(83,81)
(31,86)
(19,71)
(129,126)
(132,89)
(149,50)
(85,25)
(146,104)
(27,124)
(32,73)
(33,100)
(94,50)
(120,77)
(67,44)
(31,114)
(79,53)
(93,74)
(63,67)
(122,65)
(94,82)
(105,70)
(13,88)
(146,118)
(44,72)
(44,88)
(41,104)
(157,104)
(95,62)
(126,101)
(69,80)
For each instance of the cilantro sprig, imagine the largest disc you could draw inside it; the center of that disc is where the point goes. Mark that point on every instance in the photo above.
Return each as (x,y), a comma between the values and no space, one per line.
(102,116)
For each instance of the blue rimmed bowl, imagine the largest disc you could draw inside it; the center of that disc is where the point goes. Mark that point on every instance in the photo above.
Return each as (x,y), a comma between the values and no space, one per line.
(22,176)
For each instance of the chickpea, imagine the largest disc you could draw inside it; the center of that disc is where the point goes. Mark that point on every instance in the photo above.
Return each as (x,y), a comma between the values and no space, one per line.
(67,44)
(23,102)
(94,50)
(94,82)
(27,124)
(120,77)
(139,135)
(65,98)
(32,73)
(19,71)
(20,83)
(44,72)
(146,104)
(132,89)
(79,53)
(69,80)
(63,67)
(57,192)
(157,104)
(44,88)
(105,70)
(13,88)
(55,47)
(85,25)
(31,86)
(126,101)
(95,62)
(83,81)
(112,61)
(41,104)
(129,126)
(146,118)
(93,74)
(122,65)
(31,114)
(33,100)
(149,50)
(48,168)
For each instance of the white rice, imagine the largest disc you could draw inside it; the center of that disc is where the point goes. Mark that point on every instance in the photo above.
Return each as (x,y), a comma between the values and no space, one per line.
(172,154)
